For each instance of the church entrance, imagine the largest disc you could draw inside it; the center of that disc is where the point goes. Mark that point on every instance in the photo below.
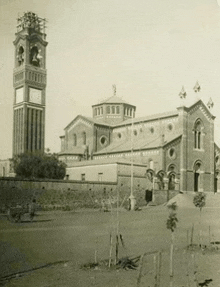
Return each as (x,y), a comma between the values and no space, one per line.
(196,181)
(197,176)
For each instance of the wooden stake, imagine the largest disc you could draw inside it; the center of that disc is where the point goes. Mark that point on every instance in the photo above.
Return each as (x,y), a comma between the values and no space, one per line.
(171,254)
(159,268)
(116,249)
(155,271)
(210,235)
(191,243)
(140,270)
(187,238)
(194,271)
(110,252)
(187,269)
(96,251)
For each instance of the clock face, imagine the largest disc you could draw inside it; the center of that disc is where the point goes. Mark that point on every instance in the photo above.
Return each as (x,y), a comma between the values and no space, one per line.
(19,95)
(35,96)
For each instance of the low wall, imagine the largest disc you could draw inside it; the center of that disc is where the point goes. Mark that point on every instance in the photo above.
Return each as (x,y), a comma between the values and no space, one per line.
(68,195)
(163,196)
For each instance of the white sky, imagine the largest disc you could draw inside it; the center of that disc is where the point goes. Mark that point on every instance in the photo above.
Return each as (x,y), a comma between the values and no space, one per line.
(149,49)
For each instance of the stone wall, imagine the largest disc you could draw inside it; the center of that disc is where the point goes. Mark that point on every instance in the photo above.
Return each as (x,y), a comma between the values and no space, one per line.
(68,195)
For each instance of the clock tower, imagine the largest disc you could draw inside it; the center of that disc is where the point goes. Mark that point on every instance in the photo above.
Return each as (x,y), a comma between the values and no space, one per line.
(29,80)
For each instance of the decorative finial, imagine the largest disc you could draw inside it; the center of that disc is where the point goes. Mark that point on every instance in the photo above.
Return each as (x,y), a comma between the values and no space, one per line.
(197,87)
(210,104)
(182,93)
(114,89)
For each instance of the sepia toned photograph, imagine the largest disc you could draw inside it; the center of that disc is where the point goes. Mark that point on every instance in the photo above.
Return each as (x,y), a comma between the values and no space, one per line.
(110,143)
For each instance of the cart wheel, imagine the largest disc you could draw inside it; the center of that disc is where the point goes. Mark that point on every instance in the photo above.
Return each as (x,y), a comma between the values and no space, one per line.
(31,217)
(17,217)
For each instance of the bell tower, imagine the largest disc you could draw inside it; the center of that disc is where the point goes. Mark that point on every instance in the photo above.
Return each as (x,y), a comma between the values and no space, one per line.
(29,81)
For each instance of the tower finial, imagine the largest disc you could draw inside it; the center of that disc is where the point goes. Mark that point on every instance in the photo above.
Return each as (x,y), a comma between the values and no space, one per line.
(197,87)
(114,89)
(182,93)
(210,104)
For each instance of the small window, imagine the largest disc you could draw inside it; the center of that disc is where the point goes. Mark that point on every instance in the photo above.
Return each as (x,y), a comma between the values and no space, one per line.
(152,130)
(113,109)
(108,109)
(172,153)
(119,135)
(83,176)
(170,127)
(217,159)
(103,140)
(135,132)
(117,110)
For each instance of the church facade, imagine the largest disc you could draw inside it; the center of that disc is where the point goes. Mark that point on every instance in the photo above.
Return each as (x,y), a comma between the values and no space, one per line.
(174,149)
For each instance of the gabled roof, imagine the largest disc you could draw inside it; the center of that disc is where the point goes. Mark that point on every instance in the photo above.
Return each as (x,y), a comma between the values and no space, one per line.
(200,102)
(147,118)
(89,120)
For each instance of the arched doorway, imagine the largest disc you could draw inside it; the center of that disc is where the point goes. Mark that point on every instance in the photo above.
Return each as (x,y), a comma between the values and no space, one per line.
(160,175)
(197,176)
(171,174)
(171,182)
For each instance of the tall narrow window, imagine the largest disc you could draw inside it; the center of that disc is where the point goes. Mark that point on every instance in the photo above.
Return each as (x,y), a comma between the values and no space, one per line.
(84,138)
(197,134)
(108,109)
(117,110)
(75,140)
(113,109)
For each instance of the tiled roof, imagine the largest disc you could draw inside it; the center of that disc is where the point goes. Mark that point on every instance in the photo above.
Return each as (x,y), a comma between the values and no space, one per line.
(138,144)
(114,100)
(148,118)
(103,161)
(75,150)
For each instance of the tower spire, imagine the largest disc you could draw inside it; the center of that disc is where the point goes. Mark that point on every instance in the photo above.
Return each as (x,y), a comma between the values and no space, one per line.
(197,87)
(182,93)
(210,104)
(114,89)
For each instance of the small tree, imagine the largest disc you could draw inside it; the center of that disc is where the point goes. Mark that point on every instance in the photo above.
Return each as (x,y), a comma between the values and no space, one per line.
(199,201)
(39,166)
(171,225)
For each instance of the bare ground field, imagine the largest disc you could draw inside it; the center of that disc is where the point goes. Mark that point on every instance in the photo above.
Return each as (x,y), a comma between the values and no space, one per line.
(51,250)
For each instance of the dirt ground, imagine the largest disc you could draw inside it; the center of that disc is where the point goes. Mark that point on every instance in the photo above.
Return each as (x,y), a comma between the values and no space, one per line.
(51,250)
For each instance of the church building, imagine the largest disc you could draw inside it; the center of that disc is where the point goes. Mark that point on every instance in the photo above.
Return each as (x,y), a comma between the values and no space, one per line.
(176,148)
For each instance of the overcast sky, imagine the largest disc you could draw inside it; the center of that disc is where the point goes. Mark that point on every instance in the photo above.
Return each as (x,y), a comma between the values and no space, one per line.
(149,49)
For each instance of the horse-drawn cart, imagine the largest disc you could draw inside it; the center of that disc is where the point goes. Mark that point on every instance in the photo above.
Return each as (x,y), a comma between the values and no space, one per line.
(15,213)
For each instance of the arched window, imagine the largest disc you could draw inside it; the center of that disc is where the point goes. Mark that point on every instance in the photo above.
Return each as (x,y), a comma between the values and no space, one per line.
(108,109)
(75,140)
(197,134)
(20,55)
(117,110)
(130,112)
(84,138)
(98,111)
(34,57)
(101,110)
(113,109)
